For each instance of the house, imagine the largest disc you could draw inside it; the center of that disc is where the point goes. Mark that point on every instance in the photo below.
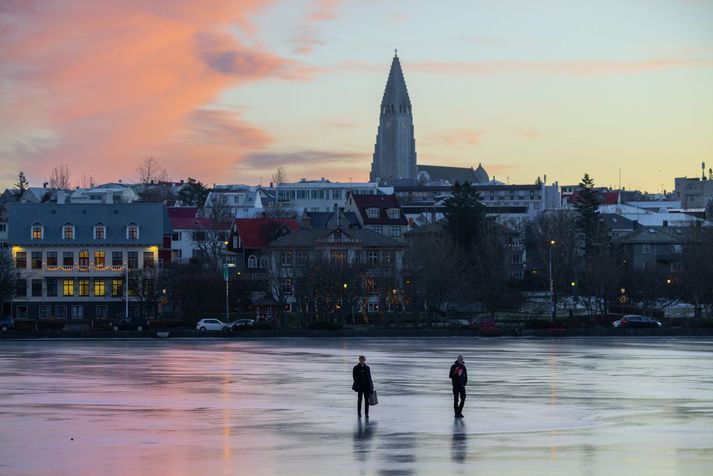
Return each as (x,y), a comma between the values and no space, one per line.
(379,255)
(654,249)
(74,259)
(196,236)
(249,239)
(323,195)
(379,213)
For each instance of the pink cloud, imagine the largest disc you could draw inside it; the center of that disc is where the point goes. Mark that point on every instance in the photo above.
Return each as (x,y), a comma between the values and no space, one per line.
(456,137)
(307,37)
(527,133)
(110,83)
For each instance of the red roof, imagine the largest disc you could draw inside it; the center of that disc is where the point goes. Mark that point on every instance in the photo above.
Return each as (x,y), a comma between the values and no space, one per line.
(383,203)
(257,233)
(184,218)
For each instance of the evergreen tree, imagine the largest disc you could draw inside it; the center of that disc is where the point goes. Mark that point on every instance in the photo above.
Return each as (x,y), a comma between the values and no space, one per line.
(193,193)
(465,215)
(21,185)
(587,207)
(538,181)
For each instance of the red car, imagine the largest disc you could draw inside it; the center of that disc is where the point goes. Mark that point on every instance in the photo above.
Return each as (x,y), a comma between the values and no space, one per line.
(486,327)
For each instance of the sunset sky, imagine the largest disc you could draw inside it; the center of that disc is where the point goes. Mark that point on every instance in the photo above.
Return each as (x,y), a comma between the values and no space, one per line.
(227,91)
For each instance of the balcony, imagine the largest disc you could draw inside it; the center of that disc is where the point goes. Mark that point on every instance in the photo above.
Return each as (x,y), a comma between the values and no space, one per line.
(89,270)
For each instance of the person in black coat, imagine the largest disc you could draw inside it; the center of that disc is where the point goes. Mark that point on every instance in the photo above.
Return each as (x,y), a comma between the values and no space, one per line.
(362,384)
(459,379)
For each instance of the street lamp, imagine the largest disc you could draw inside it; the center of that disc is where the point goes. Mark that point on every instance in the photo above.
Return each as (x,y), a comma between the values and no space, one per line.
(226,277)
(552,283)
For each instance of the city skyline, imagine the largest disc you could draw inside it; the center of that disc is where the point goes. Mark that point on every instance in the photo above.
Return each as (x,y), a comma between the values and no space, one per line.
(232,92)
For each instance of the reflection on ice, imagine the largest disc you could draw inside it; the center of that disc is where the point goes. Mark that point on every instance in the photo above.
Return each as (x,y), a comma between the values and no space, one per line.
(217,407)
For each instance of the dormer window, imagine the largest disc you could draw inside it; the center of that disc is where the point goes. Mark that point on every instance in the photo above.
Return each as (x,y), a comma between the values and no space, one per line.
(68,232)
(372,213)
(99,232)
(38,231)
(394,213)
(132,232)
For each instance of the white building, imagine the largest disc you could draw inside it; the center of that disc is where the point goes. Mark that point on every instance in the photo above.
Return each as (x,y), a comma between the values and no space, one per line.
(323,195)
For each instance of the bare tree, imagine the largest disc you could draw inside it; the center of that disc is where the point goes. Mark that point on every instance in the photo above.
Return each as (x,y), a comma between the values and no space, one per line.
(697,272)
(212,233)
(279,177)
(8,278)
(151,171)
(60,178)
(146,286)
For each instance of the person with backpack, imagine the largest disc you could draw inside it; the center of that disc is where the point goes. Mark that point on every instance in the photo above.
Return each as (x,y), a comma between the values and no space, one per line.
(363,385)
(459,379)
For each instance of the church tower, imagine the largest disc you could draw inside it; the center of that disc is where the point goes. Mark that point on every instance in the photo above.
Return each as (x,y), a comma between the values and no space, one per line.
(395,150)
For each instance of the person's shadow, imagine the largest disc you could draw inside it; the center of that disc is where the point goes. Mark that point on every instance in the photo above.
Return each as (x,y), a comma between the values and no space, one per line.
(459,443)
(363,434)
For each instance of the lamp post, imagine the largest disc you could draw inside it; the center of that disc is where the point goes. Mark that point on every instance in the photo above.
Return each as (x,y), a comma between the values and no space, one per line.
(226,277)
(126,292)
(552,283)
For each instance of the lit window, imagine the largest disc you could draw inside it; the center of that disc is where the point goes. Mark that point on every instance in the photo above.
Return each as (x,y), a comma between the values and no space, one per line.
(339,256)
(68,287)
(117,287)
(84,258)
(84,287)
(37,232)
(68,232)
(99,289)
(99,259)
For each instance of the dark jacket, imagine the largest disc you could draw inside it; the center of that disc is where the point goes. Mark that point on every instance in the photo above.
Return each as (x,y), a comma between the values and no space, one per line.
(458,379)
(362,379)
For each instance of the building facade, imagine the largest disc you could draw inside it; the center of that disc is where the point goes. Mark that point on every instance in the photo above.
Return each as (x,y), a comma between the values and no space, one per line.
(323,195)
(74,259)
(379,213)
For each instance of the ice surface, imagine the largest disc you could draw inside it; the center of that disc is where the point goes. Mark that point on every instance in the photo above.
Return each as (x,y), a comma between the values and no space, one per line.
(285,406)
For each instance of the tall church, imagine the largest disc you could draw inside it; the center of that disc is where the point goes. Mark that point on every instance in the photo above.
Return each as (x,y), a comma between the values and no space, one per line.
(395,150)
(394,161)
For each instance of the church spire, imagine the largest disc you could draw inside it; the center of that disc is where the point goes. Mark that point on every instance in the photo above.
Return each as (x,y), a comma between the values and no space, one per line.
(396,98)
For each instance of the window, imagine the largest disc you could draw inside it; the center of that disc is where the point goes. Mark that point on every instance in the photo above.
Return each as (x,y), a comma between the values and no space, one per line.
(176,236)
(263,261)
(68,232)
(388,258)
(132,232)
(84,258)
(3,227)
(117,287)
(99,232)
(84,287)
(21,287)
(60,311)
(176,255)
(99,259)
(517,275)
(532,194)
(395,231)
(339,256)
(516,258)
(21,259)
(394,213)
(676,249)
(99,287)
(199,236)
(372,307)
(252,261)
(37,232)
(68,258)
(77,311)
(372,213)
(646,249)
(301,258)
(51,287)
(372,258)
(36,260)
(45,311)
(377,229)
(133,260)
(286,286)
(148,259)
(117,258)
(102,311)
(51,258)
(37,288)
(286,258)
(68,287)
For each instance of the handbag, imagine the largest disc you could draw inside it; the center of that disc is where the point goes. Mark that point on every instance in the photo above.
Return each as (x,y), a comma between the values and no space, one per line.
(354,387)
(373,398)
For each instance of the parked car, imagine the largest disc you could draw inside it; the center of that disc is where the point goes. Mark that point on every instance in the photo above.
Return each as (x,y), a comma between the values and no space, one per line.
(7,323)
(457,323)
(486,327)
(211,324)
(633,320)
(131,324)
(242,323)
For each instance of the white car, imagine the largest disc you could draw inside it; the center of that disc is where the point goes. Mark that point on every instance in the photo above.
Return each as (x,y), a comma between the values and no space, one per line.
(212,325)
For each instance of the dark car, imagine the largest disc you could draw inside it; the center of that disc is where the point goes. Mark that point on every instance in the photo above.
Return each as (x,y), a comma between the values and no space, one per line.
(7,323)
(486,327)
(633,320)
(131,324)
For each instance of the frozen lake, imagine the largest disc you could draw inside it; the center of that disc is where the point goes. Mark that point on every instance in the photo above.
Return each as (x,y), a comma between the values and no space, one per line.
(215,407)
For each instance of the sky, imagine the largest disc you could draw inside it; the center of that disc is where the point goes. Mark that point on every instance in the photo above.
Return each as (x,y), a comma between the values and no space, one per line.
(227,91)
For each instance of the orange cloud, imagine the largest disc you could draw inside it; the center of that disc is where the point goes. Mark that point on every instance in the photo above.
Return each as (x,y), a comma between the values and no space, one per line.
(105,84)
(306,38)
(457,137)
